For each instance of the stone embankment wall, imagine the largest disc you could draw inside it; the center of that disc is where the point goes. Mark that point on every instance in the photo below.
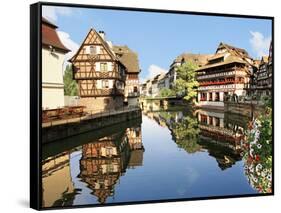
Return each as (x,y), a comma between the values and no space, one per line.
(57,132)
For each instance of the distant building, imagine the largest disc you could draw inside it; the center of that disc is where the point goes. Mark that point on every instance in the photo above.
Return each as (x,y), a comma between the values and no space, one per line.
(198,59)
(270,68)
(146,88)
(263,78)
(100,74)
(252,85)
(155,84)
(143,89)
(53,55)
(163,81)
(130,60)
(227,73)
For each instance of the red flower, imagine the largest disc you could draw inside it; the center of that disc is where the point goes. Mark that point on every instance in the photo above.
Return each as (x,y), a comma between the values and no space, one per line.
(257,157)
(250,125)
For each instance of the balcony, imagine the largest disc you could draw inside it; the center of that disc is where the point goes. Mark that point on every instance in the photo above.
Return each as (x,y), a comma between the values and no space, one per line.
(226,73)
(209,83)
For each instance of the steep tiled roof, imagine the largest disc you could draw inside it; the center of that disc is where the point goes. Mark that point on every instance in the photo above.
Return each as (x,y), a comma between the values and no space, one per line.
(50,36)
(128,58)
(227,60)
(199,59)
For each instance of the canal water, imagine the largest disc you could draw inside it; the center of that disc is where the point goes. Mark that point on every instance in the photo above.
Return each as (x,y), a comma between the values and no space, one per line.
(167,154)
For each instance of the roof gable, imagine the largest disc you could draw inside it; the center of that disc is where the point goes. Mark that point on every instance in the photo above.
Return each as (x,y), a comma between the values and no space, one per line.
(93,38)
(232,50)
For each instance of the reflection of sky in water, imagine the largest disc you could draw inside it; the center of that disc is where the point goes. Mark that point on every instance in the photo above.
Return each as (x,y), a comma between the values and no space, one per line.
(168,172)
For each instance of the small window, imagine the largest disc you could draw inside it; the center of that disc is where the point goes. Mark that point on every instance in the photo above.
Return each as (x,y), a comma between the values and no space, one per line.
(105,84)
(217,96)
(135,89)
(103,67)
(210,96)
(93,50)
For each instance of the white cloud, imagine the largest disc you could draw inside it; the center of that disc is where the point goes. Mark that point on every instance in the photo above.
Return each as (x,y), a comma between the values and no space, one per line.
(52,13)
(70,44)
(153,70)
(259,43)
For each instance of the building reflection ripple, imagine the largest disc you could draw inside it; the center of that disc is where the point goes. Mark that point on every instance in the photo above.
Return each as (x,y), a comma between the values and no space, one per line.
(104,161)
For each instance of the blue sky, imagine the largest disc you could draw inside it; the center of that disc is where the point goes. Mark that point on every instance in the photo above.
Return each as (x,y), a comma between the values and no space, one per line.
(159,37)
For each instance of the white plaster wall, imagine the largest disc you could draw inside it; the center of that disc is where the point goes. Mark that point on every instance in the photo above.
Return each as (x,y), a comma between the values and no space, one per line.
(52,66)
(52,98)
(52,79)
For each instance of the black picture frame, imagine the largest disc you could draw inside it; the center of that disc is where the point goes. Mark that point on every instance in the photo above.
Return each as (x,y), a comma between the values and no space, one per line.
(36,101)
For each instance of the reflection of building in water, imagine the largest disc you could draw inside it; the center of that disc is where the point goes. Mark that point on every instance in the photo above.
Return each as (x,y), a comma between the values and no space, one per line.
(58,188)
(105,160)
(134,137)
(221,138)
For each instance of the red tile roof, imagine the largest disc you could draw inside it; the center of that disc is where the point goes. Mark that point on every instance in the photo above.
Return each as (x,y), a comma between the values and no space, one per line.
(50,36)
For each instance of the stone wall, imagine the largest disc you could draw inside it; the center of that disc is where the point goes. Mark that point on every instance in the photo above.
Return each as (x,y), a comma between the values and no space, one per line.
(53,133)
(101,103)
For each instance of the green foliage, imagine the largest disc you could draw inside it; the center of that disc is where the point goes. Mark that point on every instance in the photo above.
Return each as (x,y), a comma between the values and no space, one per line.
(70,85)
(186,134)
(267,101)
(186,83)
(165,92)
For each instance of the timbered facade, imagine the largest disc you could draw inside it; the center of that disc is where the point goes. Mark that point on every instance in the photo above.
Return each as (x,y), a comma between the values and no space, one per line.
(264,75)
(227,73)
(99,73)
(130,60)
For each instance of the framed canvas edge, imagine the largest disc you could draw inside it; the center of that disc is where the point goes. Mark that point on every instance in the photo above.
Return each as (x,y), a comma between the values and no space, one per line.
(36,103)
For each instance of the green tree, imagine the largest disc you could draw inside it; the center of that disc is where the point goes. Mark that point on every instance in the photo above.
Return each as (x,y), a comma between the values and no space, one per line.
(186,83)
(70,85)
(165,92)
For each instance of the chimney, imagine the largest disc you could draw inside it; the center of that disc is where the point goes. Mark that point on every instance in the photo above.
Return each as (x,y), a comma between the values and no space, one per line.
(102,34)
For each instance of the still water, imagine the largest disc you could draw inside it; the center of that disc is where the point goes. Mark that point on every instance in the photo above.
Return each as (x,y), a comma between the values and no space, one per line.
(169,154)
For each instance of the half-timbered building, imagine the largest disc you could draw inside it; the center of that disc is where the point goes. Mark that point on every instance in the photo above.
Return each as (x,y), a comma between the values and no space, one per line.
(99,73)
(227,73)
(53,56)
(130,60)
(262,77)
